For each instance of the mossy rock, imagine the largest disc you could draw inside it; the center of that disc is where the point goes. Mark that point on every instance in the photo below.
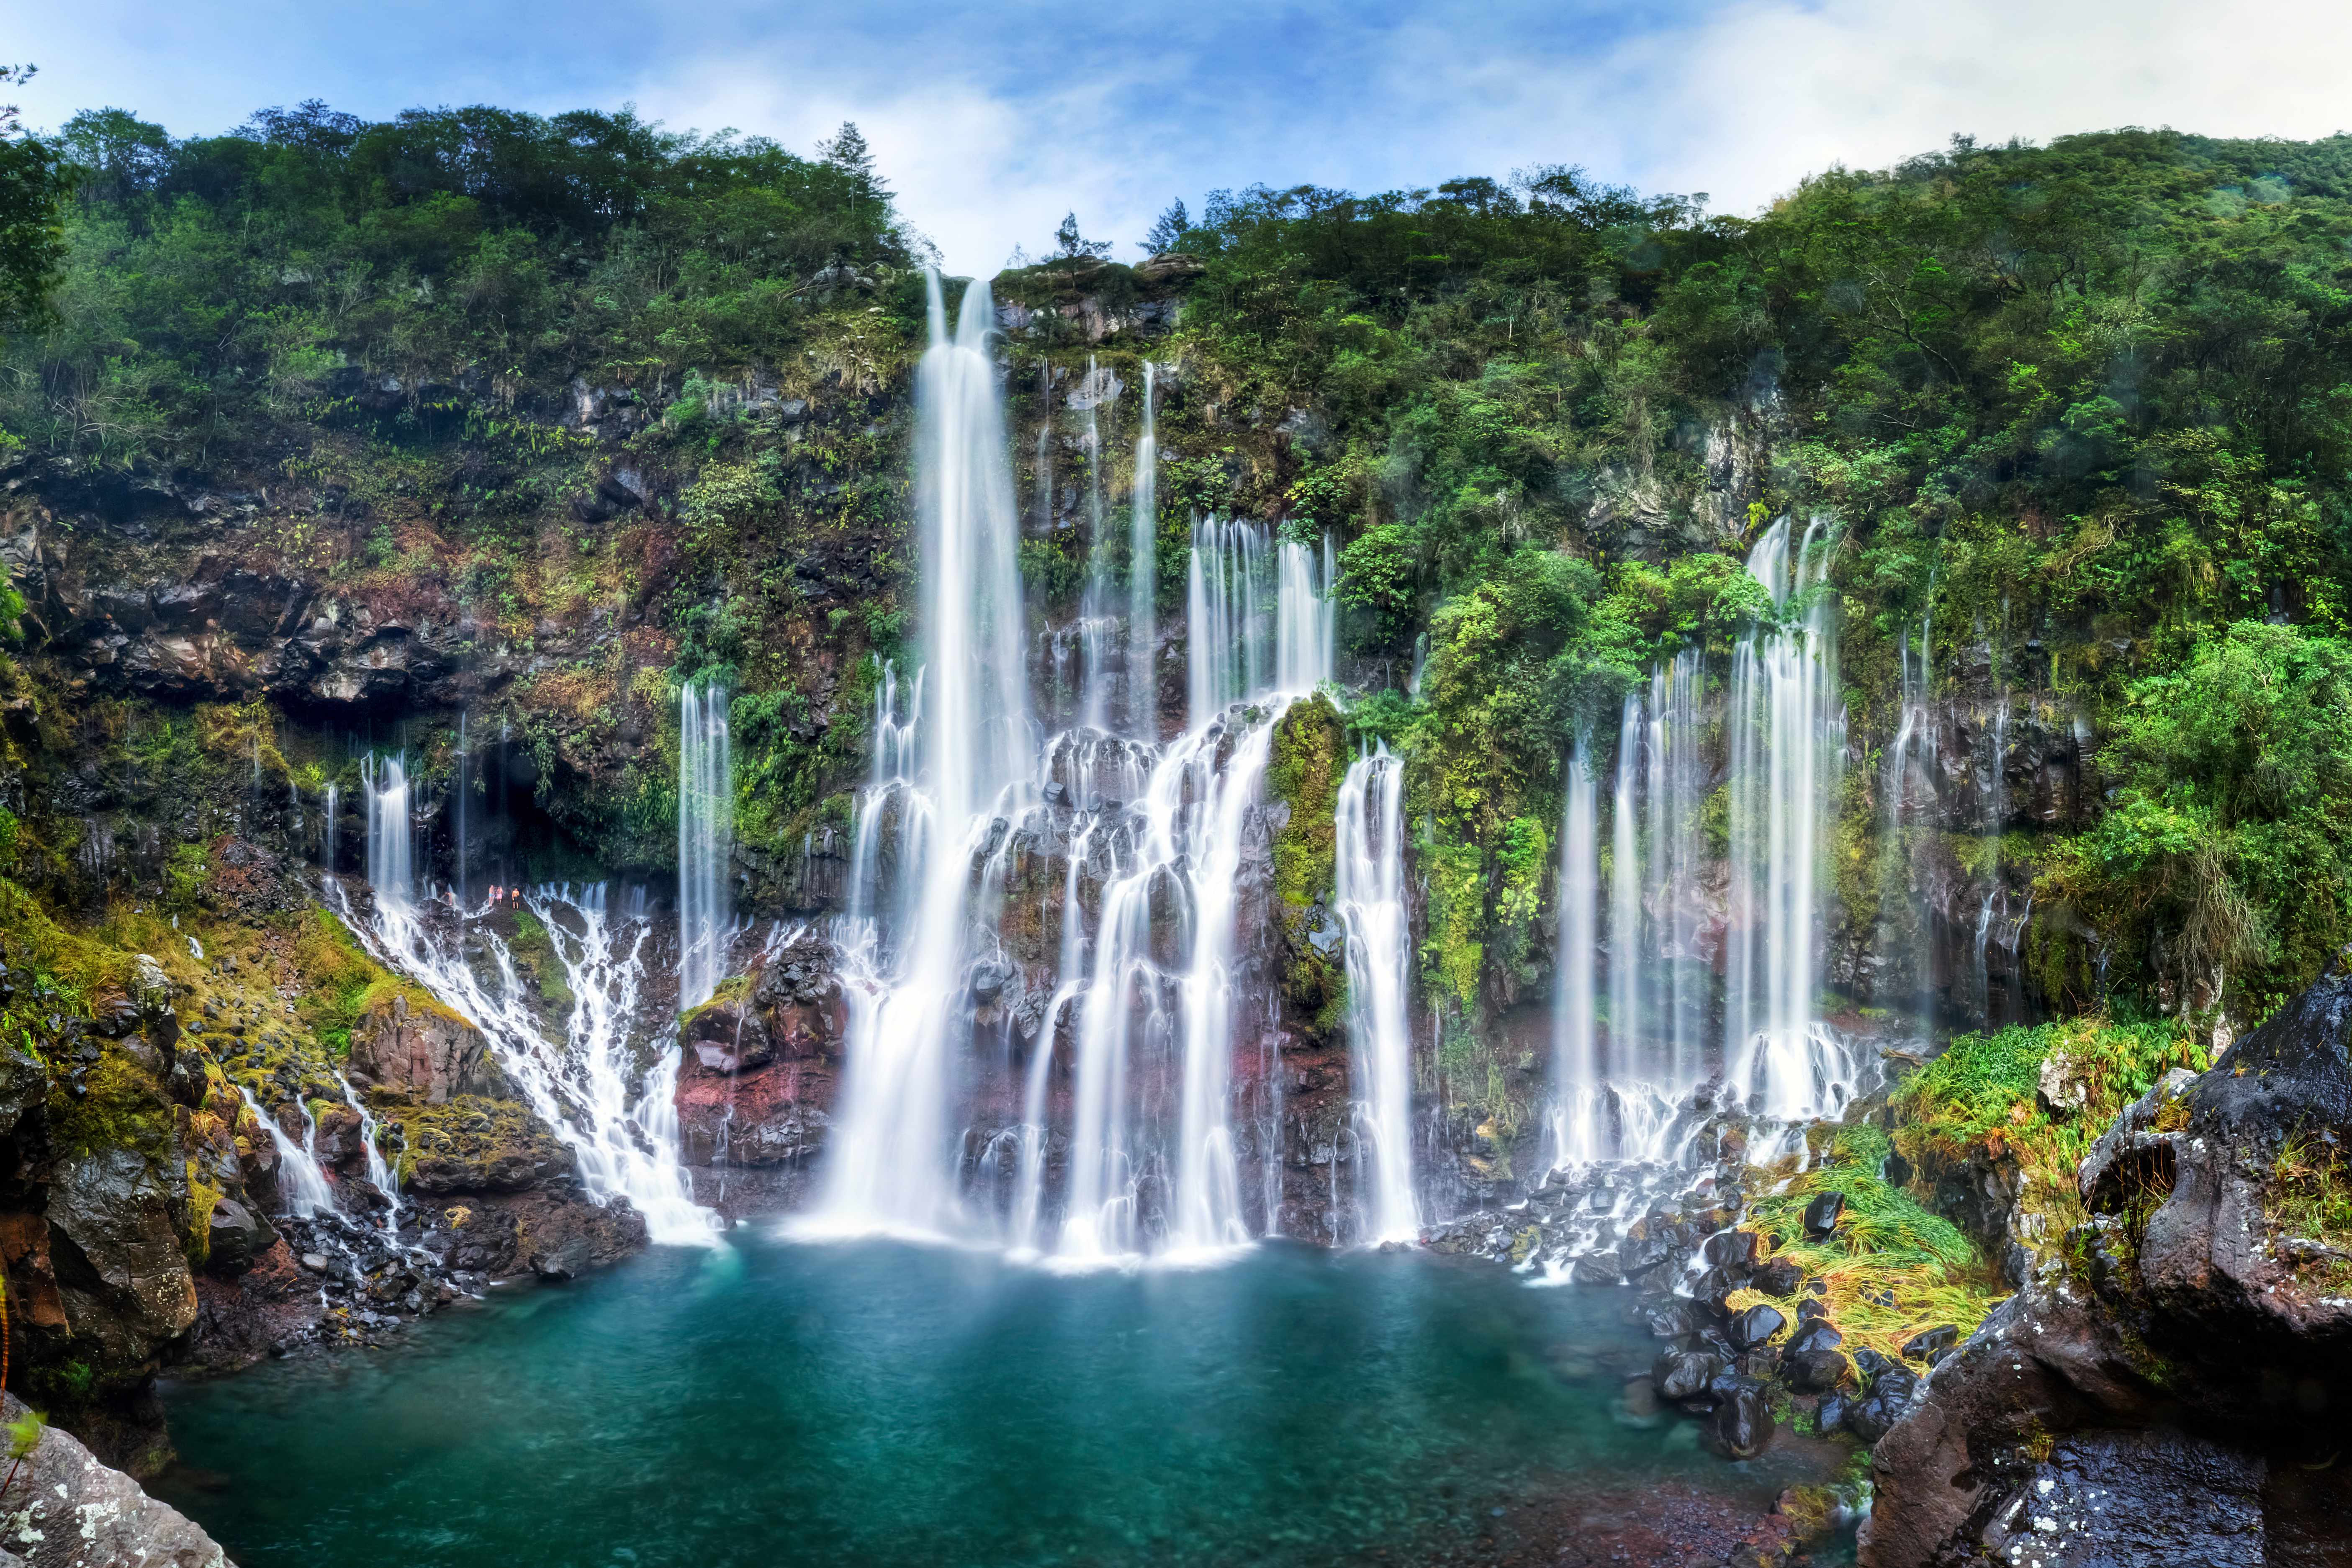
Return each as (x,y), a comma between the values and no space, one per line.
(1303,775)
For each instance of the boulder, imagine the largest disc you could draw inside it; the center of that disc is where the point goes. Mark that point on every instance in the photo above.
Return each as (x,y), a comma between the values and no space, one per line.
(1756,1327)
(1684,1375)
(68,1510)
(1822,1214)
(425,1050)
(2168,1386)
(237,1236)
(1742,1424)
(121,1265)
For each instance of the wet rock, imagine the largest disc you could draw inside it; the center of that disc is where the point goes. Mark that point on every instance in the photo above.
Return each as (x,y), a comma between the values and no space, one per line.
(66,1510)
(1684,1375)
(1742,1425)
(1889,1398)
(1822,1214)
(1814,1333)
(121,1267)
(567,1259)
(425,1050)
(1816,1371)
(1756,1327)
(1931,1346)
(1733,1252)
(237,1238)
(1780,1276)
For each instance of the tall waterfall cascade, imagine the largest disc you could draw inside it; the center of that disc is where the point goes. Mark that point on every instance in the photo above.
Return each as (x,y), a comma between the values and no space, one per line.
(1371,893)
(705,828)
(1786,740)
(1630,1049)
(1579,1118)
(973,748)
(1124,1136)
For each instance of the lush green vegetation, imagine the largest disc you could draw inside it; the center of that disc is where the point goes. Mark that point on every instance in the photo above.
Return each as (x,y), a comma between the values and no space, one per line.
(1977,1105)
(465,258)
(2089,403)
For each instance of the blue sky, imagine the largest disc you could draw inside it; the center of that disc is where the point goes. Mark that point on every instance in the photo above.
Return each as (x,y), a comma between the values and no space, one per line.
(992,121)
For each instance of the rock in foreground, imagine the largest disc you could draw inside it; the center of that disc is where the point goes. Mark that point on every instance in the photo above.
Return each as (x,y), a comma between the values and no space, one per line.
(2173,1387)
(65,1509)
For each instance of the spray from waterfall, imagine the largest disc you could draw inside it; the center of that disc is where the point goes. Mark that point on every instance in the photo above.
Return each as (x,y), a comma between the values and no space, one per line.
(1370,897)
(705,831)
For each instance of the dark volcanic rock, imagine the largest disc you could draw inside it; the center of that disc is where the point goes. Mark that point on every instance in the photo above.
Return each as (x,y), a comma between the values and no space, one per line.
(2172,1389)
(1822,1214)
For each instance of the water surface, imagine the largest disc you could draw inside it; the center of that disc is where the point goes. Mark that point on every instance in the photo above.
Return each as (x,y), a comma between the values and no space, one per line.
(883,1404)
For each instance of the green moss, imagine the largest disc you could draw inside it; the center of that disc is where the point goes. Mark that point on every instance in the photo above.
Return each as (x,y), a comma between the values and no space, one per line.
(123,1108)
(534,953)
(1304,772)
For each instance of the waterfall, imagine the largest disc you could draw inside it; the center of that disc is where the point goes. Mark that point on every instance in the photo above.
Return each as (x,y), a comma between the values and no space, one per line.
(705,831)
(1228,632)
(1207,1208)
(457,864)
(1143,577)
(379,1171)
(301,1179)
(1255,625)
(1787,736)
(618,1119)
(1575,1077)
(1625,898)
(888,1160)
(389,871)
(332,812)
(1676,794)
(1910,783)
(1993,788)
(1370,901)
(1098,628)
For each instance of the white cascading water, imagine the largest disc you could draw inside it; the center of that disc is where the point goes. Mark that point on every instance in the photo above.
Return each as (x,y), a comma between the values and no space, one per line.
(378,1168)
(1676,798)
(1907,790)
(1579,1122)
(1143,576)
(1786,737)
(1182,838)
(301,1183)
(619,1123)
(706,830)
(1099,699)
(889,1166)
(1370,901)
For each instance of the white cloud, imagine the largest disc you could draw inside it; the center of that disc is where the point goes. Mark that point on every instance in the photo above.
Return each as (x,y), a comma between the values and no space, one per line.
(992,122)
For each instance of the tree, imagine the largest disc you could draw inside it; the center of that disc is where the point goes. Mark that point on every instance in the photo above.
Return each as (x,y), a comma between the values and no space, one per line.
(846,151)
(1074,246)
(117,153)
(33,180)
(1169,232)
